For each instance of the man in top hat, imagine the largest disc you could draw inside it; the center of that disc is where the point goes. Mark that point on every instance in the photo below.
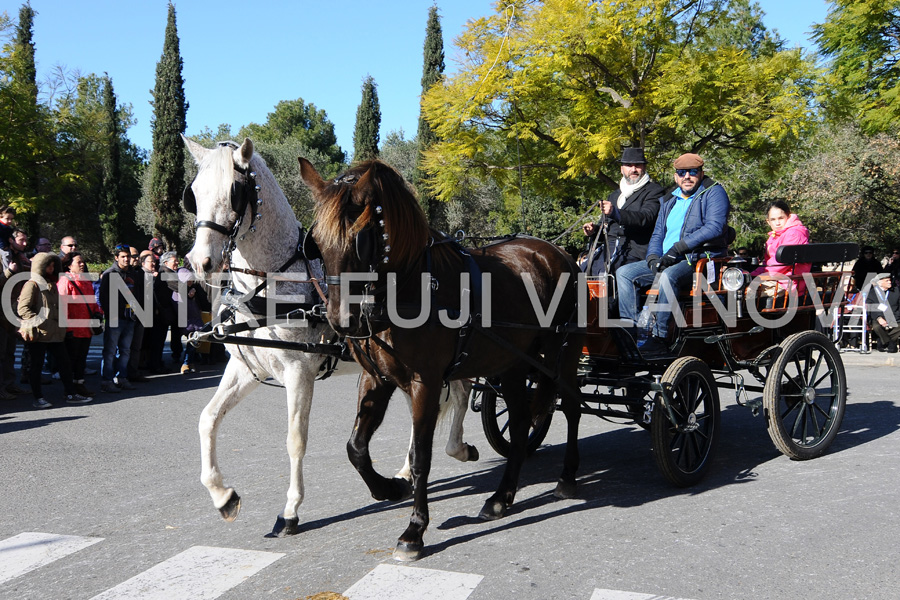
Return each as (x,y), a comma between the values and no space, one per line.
(692,221)
(884,312)
(629,214)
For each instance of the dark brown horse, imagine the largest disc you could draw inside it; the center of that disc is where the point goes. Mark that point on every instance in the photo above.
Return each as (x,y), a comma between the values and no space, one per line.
(406,332)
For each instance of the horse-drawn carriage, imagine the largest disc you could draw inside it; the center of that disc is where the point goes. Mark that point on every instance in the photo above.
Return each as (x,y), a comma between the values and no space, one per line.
(415,311)
(729,327)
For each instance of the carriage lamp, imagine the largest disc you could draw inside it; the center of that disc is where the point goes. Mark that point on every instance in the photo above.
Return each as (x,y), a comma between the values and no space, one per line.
(734,279)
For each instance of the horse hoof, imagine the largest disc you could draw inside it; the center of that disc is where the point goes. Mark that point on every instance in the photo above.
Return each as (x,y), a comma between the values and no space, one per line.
(473,453)
(285,527)
(408,551)
(231,509)
(395,490)
(565,490)
(492,510)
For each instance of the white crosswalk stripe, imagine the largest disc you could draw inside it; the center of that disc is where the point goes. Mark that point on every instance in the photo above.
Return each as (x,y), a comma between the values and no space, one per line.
(410,583)
(617,595)
(31,550)
(205,573)
(199,573)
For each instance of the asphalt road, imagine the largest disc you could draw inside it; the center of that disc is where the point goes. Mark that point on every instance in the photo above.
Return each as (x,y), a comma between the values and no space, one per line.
(121,476)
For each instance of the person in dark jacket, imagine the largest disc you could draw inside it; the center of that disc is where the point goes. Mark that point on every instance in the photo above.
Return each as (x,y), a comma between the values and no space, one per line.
(692,221)
(884,312)
(629,214)
(120,317)
(865,267)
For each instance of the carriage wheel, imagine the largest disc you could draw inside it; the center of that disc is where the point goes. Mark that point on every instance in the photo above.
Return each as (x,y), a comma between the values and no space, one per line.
(683,449)
(495,421)
(805,395)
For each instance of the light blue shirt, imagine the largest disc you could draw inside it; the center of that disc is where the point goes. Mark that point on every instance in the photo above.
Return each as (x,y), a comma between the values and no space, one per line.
(675,220)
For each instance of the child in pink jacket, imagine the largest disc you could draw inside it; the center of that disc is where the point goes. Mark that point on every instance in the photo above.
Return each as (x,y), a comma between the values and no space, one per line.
(787,230)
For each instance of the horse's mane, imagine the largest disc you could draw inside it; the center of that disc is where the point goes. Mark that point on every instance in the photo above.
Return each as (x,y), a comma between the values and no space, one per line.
(404,220)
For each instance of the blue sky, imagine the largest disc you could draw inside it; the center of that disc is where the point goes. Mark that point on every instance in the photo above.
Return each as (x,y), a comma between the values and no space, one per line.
(242,58)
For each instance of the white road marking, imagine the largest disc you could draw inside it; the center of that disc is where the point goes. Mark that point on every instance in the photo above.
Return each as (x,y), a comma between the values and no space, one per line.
(199,573)
(410,583)
(31,550)
(617,595)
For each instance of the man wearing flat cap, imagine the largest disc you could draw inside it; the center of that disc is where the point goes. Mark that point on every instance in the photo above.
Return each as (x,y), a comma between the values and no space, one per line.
(884,312)
(692,222)
(629,214)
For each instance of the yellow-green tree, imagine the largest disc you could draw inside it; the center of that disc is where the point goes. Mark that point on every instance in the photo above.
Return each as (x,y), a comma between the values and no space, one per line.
(862,40)
(549,93)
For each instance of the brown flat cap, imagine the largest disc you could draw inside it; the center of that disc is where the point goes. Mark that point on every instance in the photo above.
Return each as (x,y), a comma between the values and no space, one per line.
(688,161)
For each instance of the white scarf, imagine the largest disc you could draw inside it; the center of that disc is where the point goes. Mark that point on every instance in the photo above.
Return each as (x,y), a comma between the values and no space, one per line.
(628,189)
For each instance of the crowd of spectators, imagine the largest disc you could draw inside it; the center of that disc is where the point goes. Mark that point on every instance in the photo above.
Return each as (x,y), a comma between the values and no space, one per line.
(56,309)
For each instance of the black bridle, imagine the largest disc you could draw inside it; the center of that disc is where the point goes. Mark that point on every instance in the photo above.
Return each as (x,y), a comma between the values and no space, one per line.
(244,195)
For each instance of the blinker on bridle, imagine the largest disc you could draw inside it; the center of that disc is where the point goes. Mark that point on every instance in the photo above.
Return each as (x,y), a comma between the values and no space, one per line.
(366,241)
(244,194)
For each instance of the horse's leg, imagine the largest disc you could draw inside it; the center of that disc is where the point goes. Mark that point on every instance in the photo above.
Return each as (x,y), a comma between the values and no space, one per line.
(425,408)
(456,405)
(513,386)
(237,382)
(299,381)
(374,396)
(571,407)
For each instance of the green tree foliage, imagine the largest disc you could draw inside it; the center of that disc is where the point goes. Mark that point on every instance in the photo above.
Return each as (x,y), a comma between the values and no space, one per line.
(110,217)
(432,71)
(167,175)
(368,120)
(26,71)
(846,187)
(25,132)
(400,153)
(549,92)
(95,201)
(862,39)
(294,119)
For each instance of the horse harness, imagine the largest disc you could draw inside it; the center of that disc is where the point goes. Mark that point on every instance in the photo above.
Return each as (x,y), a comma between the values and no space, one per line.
(244,195)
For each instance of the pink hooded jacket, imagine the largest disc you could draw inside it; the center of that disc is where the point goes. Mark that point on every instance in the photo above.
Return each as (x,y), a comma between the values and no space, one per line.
(793,233)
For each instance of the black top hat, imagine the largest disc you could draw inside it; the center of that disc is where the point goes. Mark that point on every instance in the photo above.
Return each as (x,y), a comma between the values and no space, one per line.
(633,156)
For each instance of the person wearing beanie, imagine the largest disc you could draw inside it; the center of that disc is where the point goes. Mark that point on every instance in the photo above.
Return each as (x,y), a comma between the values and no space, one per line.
(692,222)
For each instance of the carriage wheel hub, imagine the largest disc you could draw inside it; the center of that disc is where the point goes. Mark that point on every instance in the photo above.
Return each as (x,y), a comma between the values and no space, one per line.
(809,395)
(691,424)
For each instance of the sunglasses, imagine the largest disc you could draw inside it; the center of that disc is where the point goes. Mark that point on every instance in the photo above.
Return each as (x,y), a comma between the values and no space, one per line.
(70,245)
(683,172)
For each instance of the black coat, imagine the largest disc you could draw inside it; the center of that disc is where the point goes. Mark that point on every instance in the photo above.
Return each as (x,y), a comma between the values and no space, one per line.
(630,233)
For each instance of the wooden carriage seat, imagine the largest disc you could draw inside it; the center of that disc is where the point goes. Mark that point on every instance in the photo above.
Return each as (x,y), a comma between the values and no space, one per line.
(827,282)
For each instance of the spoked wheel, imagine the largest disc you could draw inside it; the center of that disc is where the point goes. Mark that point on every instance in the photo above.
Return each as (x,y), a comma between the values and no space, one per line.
(805,395)
(495,421)
(684,441)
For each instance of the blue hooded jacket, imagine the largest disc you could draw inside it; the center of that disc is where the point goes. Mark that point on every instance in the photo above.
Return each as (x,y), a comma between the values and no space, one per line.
(705,222)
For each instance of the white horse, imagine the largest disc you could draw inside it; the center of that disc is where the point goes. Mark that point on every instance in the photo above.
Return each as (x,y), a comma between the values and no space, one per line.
(244,222)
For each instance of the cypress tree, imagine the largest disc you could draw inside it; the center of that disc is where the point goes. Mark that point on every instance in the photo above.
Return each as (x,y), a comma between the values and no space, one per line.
(35,144)
(368,119)
(26,73)
(110,221)
(167,123)
(432,69)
